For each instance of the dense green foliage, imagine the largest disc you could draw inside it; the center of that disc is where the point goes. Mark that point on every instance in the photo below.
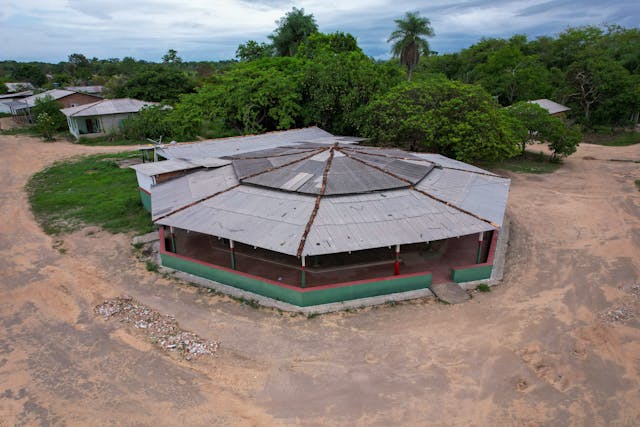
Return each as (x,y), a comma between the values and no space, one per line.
(92,190)
(593,70)
(293,29)
(452,118)
(533,123)
(156,84)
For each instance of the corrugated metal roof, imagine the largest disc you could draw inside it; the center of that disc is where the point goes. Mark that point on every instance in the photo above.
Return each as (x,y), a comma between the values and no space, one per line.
(242,144)
(365,221)
(368,201)
(106,107)
(86,89)
(550,106)
(17,94)
(259,217)
(53,93)
(165,166)
(170,195)
(484,195)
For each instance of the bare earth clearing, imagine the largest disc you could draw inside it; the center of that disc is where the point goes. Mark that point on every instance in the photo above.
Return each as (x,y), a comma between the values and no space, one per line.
(543,348)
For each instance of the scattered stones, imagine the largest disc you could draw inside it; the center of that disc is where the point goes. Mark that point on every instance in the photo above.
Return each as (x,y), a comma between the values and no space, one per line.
(618,314)
(161,330)
(632,289)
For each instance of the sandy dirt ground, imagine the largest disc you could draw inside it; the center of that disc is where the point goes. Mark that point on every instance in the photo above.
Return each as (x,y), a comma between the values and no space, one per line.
(540,349)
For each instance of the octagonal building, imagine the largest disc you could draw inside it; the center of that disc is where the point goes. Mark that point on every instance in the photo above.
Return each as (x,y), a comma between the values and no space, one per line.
(309,218)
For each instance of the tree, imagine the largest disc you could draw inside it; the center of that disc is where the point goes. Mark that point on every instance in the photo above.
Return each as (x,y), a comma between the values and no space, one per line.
(534,123)
(456,119)
(79,66)
(46,125)
(159,84)
(171,57)
(252,50)
(253,97)
(49,106)
(30,73)
(337,86)
(335,43)
(293,29)
(408,40)
(150,122)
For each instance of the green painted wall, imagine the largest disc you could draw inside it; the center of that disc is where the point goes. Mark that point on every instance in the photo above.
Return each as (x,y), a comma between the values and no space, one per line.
(146,200)
(301,299)
(471,274)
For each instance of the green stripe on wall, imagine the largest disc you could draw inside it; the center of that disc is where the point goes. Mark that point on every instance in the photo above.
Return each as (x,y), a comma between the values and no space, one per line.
(471,274)
(301,299)
(146,200)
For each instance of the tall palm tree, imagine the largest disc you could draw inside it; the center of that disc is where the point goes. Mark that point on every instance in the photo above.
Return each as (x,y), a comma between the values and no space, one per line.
(408,40)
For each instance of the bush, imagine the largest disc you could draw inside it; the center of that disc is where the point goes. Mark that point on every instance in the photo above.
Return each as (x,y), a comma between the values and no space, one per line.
(46,126)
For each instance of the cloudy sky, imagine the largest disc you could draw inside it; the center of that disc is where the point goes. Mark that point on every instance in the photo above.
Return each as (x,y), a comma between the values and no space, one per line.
(49,30)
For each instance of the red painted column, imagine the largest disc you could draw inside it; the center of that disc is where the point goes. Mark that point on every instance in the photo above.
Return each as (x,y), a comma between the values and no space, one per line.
(303,279)
(396,264)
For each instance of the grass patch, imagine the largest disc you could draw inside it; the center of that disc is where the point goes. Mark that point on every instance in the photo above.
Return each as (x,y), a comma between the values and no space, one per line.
(637,181)
(483,287)
(108,141)
(90,190)
(22,130)
(151,266)
(536,163)
(614,138)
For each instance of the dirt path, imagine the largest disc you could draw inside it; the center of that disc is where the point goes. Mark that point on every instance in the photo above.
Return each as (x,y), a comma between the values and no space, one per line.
(534,351)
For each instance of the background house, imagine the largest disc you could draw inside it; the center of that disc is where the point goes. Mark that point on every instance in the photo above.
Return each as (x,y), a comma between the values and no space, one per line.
(552,107)
(9,99)
(102,117)
(66,98)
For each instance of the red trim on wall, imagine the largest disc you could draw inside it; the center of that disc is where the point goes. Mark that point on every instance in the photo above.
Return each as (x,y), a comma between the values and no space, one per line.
(142,189)
(273,282)
(492,252)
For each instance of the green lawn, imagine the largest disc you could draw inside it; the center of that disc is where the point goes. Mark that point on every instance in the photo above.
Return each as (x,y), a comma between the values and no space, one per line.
(532,163)
(90,190)
(613,138)
(106,140)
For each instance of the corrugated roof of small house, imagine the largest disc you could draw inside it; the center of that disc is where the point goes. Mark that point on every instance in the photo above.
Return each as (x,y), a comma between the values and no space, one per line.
(551,106)
(106,107)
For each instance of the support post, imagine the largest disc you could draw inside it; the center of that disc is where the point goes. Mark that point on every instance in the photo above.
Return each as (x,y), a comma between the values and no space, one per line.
(173,241)
(396,263)
(233,255)
(303,278)
(479,256)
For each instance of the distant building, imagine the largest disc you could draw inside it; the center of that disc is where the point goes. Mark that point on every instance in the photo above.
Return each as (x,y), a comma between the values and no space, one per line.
(309,218)
(553,108)
(91,90)
(10,99)
(66,98)
(18,87)
(102,117)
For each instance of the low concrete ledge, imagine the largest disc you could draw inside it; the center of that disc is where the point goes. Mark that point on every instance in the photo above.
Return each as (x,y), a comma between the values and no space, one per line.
(314,309)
